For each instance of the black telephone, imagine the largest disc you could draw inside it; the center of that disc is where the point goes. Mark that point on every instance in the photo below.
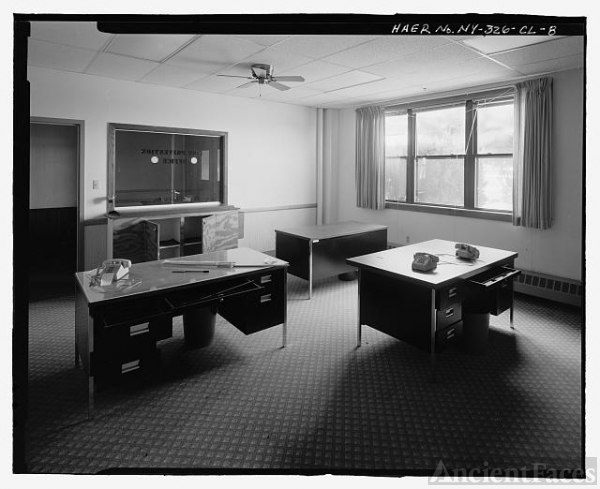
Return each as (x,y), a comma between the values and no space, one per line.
(424,262)
(466,251)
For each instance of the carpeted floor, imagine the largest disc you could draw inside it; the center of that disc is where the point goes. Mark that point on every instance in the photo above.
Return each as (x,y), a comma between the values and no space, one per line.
(320,405)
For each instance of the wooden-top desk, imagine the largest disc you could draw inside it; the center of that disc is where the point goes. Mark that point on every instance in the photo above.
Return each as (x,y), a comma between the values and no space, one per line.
(320,251)
(426,308)
(117,326)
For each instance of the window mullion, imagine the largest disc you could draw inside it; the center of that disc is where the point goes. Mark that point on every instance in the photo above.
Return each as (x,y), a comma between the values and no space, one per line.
(410,157)
(470,145)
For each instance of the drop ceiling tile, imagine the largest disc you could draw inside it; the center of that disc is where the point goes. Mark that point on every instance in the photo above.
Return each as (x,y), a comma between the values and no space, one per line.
(279,59)
(472,67)
(496,44)
(392,96)
(558,48)
(210,54)
(371,88)
(153,47)
(267,40)
(344,80)
(292,94)
(78,34)
(171,76)
(58,56)
(385,49)
(319,99)
(122,67)
(323,45)
(552,65)
(435,59)
(219,84)
(316,70)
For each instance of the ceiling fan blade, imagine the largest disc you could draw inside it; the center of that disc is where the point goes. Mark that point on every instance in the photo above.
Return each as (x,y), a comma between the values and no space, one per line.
(236,76)
(288,78)
(278,86)
(246,85)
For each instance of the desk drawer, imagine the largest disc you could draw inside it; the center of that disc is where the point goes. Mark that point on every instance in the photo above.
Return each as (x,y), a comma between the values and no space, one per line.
(448,315)
(444,336)
(450,295)
(122,338)
(261,308)
(493,290)
(116,366)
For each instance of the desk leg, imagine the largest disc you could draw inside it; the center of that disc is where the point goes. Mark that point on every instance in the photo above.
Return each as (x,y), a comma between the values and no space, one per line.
(310,268)
(76,350)
(90,397)
(433,329)
(512,317)
(284,334)
(359,329)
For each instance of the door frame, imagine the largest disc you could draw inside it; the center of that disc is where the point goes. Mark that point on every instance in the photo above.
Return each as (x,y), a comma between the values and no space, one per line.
(79,125)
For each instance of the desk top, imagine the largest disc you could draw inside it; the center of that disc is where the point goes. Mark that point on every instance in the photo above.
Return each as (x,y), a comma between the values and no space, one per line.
(327,231)
(154,276)
(398,262)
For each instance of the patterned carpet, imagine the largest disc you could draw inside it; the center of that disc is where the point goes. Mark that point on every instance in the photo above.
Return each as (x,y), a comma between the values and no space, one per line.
(320,405)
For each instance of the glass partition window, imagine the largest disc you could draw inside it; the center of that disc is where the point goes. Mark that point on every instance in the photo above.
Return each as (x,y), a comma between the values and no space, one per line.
(152,166)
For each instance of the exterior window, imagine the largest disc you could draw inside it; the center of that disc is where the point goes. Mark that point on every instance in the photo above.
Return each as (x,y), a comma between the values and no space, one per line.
(456,155)
(396,153)
(440,156)
(494,159)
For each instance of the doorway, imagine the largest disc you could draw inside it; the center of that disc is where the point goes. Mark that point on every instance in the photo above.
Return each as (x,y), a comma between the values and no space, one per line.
(53,207)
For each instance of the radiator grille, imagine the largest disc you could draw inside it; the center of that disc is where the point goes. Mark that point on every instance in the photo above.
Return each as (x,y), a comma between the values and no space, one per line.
(548,287)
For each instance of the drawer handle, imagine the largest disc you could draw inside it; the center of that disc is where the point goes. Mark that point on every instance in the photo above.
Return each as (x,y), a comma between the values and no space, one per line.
(265,298)
(452,292)
(139,329)
(450,334)
(449,312)
(130,366)
(265,279)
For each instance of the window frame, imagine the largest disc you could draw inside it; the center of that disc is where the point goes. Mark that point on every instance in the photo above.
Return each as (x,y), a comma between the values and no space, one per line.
(470,156)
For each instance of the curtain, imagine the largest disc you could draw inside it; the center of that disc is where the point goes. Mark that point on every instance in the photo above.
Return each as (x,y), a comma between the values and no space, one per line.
(370,157)
(532,192)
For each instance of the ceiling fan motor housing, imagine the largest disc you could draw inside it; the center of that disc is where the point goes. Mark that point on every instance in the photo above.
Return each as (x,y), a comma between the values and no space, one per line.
(267,69)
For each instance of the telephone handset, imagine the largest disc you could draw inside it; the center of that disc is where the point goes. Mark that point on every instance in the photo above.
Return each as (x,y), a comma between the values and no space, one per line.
(113,270)
(466,251)
(424,262)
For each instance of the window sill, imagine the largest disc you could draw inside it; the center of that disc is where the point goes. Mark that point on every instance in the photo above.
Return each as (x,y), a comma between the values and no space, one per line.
(451,211)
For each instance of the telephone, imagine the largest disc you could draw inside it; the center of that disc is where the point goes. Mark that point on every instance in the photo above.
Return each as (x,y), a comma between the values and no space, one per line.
(113,270)
(466,251)
(424,262)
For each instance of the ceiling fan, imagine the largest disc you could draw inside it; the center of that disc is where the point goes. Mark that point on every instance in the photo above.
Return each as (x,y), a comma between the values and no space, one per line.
(263,75)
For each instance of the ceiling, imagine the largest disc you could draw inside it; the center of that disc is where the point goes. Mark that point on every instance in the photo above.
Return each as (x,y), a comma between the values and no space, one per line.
(340,71)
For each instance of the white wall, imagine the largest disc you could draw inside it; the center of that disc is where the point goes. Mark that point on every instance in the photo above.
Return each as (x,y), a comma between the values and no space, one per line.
(557,251)
(272,146)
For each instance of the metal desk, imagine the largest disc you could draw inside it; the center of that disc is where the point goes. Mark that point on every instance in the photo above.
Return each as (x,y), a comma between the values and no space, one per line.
(117,327)
(320,251)
(426,309)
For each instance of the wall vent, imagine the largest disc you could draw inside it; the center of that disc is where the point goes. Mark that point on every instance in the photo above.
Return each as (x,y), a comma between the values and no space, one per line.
(548,287)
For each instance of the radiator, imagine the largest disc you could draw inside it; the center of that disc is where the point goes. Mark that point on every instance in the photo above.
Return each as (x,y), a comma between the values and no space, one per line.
(548,287)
